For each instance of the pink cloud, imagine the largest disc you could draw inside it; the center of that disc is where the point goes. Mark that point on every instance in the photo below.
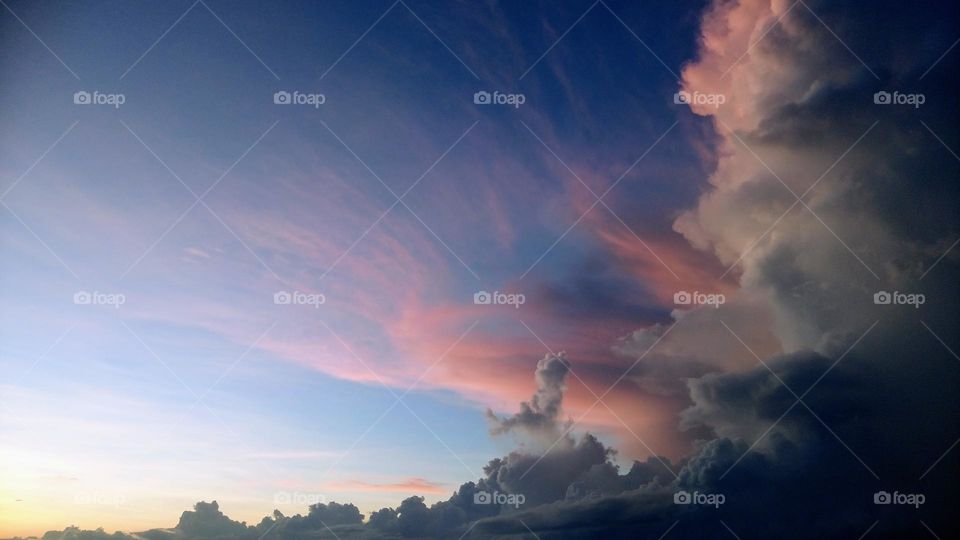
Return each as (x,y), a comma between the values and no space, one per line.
(407,486)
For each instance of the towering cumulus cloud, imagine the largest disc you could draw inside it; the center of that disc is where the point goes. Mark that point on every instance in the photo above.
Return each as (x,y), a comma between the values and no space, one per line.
(538,417)
(826,198)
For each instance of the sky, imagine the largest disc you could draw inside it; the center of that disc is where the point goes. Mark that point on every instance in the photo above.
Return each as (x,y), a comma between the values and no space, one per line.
(282,254)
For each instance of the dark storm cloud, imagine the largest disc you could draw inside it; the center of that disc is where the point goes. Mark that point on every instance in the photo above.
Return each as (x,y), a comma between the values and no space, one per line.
(886,409)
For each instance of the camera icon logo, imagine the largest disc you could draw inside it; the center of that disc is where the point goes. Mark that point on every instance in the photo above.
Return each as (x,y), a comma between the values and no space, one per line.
(281,98)
(482,298)
(682,298)
(882,98)
(82,298)
(682,497)
(681,98)
(81,98)
(282,497)
(482,98)
(482,497)
(882,298)
(282,298)
(881,497)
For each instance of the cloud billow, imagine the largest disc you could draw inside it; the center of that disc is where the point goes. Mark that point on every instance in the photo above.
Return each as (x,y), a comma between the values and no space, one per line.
(538,418)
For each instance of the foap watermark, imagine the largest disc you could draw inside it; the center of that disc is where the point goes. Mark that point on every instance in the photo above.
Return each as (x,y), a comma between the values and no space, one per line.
(498,98)
(697,298)
(704,499)
(96,498)
(97,298)
(897,298)
(498,298)
(286,298)
(908,499)
(699,98)
(299,98)
(500,499)
(83,97)
(298,498)
(898,98)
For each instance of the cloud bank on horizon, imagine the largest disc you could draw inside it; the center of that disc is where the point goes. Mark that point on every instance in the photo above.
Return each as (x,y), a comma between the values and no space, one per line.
(790,409)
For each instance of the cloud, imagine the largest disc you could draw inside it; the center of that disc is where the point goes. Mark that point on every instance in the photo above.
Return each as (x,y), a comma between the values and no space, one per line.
(538,418)
(207,521)
(698,343)
(410,485)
